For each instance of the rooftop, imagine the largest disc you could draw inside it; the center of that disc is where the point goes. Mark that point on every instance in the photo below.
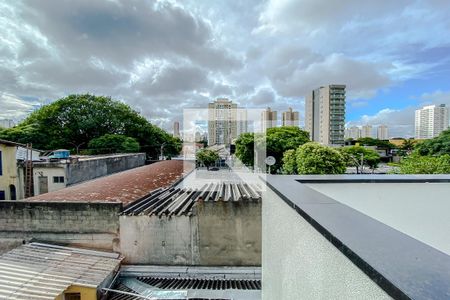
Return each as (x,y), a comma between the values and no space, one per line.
(40,271)
(394,228)
(135,282)
(180,201)
(126,187)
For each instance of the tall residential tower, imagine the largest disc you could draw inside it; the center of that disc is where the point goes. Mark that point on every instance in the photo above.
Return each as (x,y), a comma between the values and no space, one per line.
(431,121)
(290,118)
(325,114)
(268,119)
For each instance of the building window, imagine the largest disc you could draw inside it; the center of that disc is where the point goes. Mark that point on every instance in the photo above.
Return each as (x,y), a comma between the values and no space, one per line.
(2,195)
(58,179)
(72,296)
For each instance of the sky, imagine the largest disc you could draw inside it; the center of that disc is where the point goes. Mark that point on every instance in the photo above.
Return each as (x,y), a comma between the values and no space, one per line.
(163,56)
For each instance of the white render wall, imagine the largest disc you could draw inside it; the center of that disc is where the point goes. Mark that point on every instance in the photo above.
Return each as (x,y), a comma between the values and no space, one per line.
(299,263)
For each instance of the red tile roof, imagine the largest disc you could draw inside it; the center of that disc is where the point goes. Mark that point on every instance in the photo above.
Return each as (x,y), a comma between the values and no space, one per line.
(124,187)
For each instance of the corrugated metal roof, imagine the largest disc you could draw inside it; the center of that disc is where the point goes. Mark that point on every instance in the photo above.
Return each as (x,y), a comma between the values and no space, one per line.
(43,271)
(135,282)
(176,201)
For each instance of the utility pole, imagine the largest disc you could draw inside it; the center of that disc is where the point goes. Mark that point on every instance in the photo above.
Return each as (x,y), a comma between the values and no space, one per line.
(162,150)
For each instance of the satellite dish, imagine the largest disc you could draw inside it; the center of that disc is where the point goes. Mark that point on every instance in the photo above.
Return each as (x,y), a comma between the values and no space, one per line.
(270,160)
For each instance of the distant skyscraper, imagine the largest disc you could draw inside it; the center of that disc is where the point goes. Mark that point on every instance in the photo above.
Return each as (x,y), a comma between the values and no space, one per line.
(382,132)
(6,123)
(353,133)
(242,122)
(431,121)
(290,118)
(366,131)
(176,129)
(222,122)
(268,119)
(325,114)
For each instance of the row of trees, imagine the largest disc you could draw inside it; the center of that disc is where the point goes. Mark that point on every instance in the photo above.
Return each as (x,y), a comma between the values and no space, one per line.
(86,121)
(294,153)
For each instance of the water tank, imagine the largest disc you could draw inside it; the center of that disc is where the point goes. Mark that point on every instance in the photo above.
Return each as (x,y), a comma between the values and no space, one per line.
(60,153)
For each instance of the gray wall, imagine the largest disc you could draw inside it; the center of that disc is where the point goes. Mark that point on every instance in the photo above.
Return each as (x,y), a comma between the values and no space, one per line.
(93,225)
(221,233)
(299,263)
(89,169)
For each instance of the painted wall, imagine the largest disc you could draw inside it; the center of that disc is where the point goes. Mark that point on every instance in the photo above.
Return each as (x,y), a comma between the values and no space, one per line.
(86,293)
(299,263)
(217,233)
(92,168)
(93,225)
(9,175)
(49,172)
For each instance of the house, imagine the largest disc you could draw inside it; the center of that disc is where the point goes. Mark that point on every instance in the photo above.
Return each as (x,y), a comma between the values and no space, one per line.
(11,174)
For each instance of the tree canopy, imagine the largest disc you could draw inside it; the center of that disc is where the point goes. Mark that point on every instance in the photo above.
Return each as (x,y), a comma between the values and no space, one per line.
(113,143)
(277,141)
(368,141)
(437,146)
(207,157)
(354,154)
(73,121)
(417,164)
(313,158)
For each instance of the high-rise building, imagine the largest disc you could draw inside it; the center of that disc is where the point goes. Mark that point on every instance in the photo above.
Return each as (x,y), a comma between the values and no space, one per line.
(353,133)
(382,132)
(242,121)
(176,129)
(366,131)
(7,123)
(290,118)
(222,122)
(325,114)
(431,121)
(268,119)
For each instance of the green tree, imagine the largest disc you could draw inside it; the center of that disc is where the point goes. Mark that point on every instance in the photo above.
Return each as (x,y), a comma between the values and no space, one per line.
(437,146)
(73,121)
(368,141)
(353,155)
(417,164)
(313,158)
(113,143)
(207,157)
(277,141)
(289,162)
(245,148)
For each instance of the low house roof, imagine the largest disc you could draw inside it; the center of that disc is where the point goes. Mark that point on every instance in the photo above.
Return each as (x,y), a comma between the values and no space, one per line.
(126,187)
(44,271)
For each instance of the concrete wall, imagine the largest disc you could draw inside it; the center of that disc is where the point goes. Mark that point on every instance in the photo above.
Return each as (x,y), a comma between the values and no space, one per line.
(221,233)
(300,263)
(93,225)
(92,168)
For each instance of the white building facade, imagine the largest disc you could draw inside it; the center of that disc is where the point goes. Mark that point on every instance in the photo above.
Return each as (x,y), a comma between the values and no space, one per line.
(430,121)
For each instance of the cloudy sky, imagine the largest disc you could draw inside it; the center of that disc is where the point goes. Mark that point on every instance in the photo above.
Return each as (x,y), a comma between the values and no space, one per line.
(163,56)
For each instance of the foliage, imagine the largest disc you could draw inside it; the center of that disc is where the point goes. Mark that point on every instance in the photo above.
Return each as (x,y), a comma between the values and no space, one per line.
(113,143)
(277,141)
(289,162)
(313,158)
(437,146)
(352,156)
(416,164)
(207,157)
(368,141)
(245,148)
(73,121)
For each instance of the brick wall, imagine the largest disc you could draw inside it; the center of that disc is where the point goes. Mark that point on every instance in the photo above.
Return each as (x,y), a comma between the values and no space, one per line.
(94,225)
